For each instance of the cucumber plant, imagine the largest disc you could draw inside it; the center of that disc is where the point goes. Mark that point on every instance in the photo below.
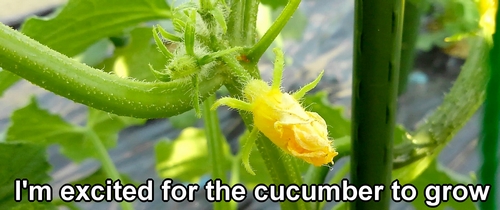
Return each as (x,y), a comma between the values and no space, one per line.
(189,51)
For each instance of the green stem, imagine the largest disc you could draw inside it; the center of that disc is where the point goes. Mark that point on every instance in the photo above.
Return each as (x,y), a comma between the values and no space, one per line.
(235,175)
(463,100)
(258,49)
(242,22)
(215,146)
(242,31)
(107,163)
(341,173)
(250,23)
(239,73)
(491,122)
(411,26)
(377,45)
(76,81)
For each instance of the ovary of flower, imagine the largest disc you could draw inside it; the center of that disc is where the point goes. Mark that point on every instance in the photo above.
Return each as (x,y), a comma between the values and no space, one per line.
(282,119)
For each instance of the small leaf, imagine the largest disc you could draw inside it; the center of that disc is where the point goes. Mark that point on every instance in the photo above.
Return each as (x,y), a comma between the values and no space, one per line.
(99,177)
(168,36)
(134,59)
(35,125)
(295,27)
(162,76)
(7,79)
(107,126)
(184,120)
(179,25)
(189,34)
(159,43)
(258,165)
(400,134)
(185,158)
(219,17)
(211,57)
(21,161)
(95,54)
(438,174)
(81,23)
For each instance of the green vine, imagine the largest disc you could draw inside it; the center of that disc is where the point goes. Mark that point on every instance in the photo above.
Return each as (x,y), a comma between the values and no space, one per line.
(463,100)
(107,163)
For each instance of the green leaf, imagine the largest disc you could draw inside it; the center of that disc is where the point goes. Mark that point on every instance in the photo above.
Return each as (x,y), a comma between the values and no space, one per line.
(96,53)
(258,166)
(21,161)
(107,126)
(160,43)
(295,27)
(35,206)
(133,59)
(400,134)
(438,174)
(83,22)
(7,79)
(454,18)
(35,125)
(32,124)
(99,177)
(185,158)
(184,120)
(338,126)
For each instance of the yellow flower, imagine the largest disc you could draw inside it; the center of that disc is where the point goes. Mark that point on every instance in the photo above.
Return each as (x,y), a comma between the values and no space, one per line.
(282,119)
(487,11)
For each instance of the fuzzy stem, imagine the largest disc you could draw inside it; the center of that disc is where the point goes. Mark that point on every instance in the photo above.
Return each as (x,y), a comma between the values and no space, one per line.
(242,22)
(67,77)
(258,49)
(215,146)
(463,100)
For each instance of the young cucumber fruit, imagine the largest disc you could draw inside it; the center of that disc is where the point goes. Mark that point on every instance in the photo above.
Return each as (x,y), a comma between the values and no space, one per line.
(76,81)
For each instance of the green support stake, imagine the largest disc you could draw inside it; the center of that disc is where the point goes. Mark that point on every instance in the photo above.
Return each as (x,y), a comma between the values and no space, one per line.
(377,47)
(491,123)
(411,26)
